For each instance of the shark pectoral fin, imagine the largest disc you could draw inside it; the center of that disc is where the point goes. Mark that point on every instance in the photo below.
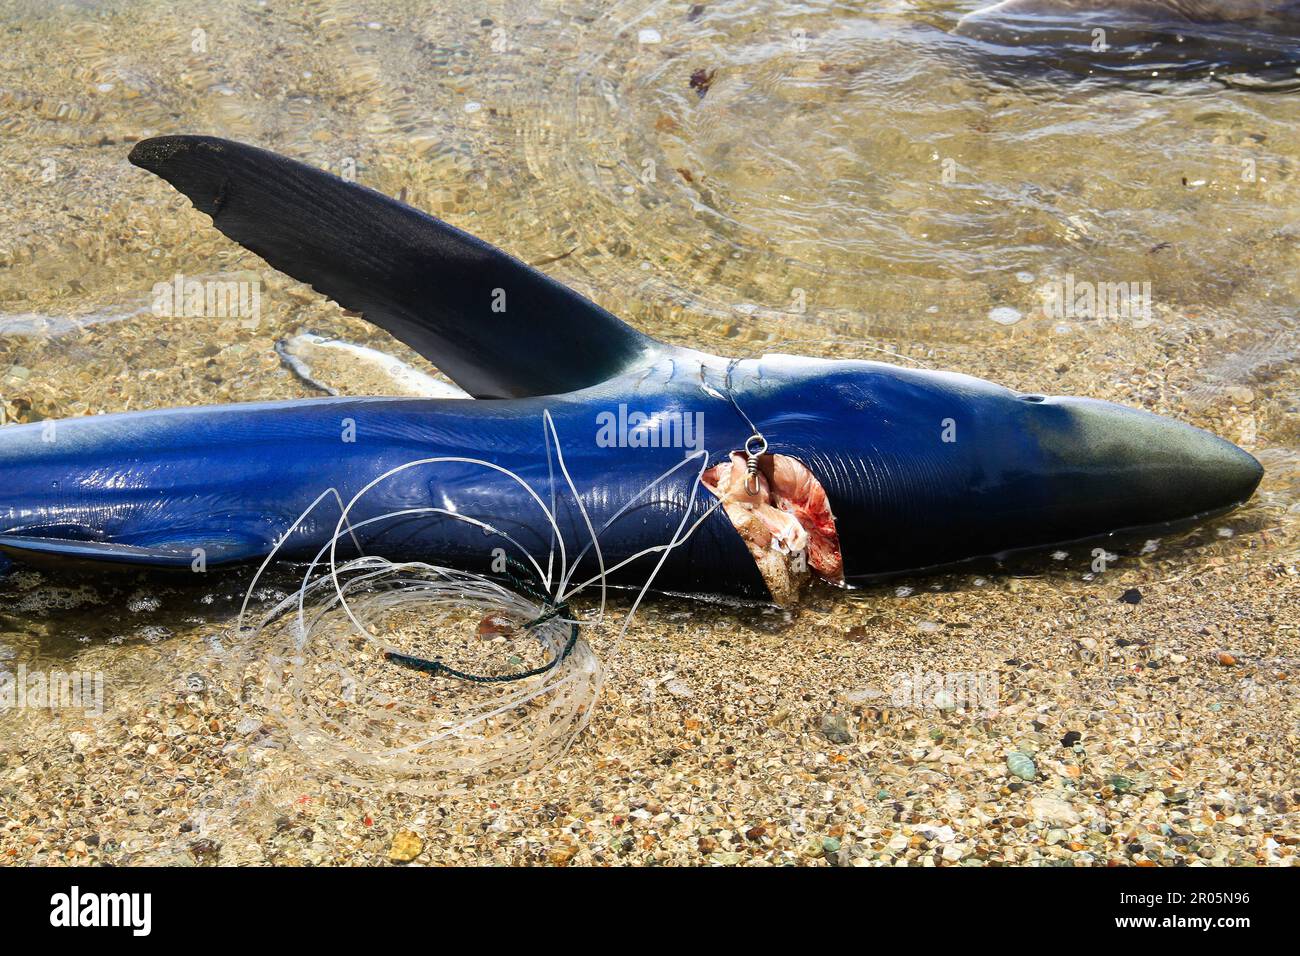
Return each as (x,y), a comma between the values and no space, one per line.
(495,326)
(60,553)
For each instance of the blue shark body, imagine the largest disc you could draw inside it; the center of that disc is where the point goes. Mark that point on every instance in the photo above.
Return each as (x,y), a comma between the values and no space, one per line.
(922,469)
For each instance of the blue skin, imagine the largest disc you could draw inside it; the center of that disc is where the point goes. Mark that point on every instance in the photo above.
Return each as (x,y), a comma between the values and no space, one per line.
(1022,472)
(922,469)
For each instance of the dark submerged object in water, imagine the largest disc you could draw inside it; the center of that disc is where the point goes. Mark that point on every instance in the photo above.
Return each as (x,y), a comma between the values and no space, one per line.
(1249,43)
(922,469)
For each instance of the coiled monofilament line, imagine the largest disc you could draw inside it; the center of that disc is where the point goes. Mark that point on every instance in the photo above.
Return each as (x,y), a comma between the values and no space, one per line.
(355,716)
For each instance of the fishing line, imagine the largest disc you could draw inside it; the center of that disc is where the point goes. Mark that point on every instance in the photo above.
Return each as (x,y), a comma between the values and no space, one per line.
(556,607)
(344,662)
(755,444)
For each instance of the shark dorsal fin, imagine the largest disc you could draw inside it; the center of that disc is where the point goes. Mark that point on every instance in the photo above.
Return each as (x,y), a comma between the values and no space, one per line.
(494,325)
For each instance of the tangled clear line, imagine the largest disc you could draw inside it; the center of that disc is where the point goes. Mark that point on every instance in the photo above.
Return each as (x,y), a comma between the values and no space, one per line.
(329,679)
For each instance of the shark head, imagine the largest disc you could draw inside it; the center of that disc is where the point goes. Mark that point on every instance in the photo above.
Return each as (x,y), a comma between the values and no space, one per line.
(925,469)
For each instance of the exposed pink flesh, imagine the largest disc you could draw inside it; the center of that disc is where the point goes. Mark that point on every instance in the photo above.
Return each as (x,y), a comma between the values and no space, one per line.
(789,513)
(795,490)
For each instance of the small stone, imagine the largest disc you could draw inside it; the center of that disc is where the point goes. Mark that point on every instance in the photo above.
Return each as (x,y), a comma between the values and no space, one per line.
(1021,765)
(205,851)
(701,81)
(835,728)
(1226,659)
(1131,596)
(1056,835)
(680,689)
(495,625)
(1054,810)
(830,845)
(561,855)
(248,726)
(406,846)
(863,695)
(1071,738)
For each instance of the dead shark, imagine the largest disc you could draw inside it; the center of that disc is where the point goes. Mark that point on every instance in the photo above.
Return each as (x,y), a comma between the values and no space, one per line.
(853,470)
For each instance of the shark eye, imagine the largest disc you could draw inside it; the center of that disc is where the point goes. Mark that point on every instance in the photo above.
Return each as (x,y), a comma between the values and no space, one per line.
(1033,398)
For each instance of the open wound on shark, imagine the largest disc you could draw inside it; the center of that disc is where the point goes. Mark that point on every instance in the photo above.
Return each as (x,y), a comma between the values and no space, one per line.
(781,511)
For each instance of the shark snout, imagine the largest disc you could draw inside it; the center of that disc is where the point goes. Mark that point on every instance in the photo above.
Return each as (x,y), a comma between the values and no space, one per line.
(1131,468)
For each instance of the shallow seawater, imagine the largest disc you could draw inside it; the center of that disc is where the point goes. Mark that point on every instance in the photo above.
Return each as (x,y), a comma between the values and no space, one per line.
(741,176)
